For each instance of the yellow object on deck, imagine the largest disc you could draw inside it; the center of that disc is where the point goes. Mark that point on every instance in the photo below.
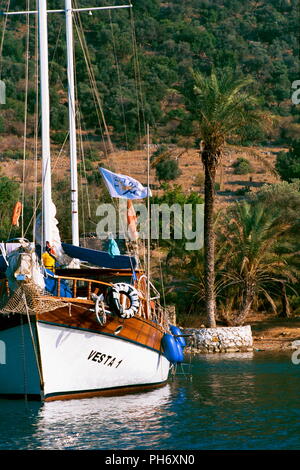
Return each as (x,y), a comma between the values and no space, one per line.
(49,261)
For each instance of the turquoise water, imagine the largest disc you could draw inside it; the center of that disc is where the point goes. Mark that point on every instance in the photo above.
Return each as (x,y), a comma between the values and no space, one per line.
(229,402)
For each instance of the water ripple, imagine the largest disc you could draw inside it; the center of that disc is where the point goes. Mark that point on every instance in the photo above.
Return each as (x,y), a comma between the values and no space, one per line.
(229,402)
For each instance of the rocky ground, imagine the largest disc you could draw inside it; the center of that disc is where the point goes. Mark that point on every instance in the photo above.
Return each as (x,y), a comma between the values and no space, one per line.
(269,333)
(275,333)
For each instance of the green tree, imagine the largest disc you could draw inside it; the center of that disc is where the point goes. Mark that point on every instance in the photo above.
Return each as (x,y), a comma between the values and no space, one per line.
(257,256)
(223,105)
(167,170)
(9,194)
(174,195)
(288,163)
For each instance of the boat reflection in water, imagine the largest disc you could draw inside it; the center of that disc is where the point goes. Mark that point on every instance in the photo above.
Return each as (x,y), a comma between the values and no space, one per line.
(104,422)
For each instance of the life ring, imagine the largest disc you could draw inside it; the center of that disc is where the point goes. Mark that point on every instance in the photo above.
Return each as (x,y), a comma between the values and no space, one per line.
(113,299)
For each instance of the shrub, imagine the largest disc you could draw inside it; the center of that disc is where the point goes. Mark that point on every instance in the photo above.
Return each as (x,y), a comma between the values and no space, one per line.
(242,166)
(242,191)
(95,178)
(167,170)
(288,163)
(58,137)
(14,155)
(93,155)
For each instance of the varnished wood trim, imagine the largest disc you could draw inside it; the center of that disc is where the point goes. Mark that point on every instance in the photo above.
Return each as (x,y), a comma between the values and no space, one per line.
(109,392)
(79,312)
(83,279)
(70,300)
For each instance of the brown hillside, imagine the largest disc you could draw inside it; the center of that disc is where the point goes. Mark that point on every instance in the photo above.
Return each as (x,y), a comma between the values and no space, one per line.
(134,163)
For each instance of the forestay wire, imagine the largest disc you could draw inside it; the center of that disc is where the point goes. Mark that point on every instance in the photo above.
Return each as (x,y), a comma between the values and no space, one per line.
(25,110)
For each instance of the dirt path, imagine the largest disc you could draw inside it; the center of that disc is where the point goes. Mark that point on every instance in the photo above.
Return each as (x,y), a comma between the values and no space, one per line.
(273,333)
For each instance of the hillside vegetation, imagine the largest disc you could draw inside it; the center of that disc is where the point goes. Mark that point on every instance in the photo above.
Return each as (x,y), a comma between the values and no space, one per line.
(140,70)
(142,61)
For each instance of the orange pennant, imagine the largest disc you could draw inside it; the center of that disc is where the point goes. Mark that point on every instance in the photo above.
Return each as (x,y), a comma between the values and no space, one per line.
(16,214)
(131,221)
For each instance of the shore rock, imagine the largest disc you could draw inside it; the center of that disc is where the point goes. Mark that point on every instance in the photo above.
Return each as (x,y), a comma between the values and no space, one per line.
(219,340)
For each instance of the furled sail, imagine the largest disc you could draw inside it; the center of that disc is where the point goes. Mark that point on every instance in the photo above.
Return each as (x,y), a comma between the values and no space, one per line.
(55,242)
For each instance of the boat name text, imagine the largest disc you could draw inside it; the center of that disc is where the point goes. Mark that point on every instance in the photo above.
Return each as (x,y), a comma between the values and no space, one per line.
(104,359)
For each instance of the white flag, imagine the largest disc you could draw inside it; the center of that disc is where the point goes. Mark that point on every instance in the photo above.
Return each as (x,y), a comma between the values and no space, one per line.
(123,186)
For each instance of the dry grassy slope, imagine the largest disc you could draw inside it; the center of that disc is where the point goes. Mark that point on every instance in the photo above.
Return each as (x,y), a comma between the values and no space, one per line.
(134,163)
(262,160)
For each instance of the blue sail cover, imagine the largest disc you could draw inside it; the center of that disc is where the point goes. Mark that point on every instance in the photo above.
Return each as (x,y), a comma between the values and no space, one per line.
(100,258)
(51,285)
(95,257)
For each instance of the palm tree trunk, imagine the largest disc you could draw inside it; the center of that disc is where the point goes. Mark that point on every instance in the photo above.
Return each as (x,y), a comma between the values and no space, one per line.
(286,310)
(209,241)
(246,305)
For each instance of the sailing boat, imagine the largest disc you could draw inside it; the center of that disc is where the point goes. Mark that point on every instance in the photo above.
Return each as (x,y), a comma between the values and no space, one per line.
(84,331)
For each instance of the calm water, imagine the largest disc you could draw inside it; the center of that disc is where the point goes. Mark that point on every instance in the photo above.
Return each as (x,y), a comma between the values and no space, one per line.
(244,401)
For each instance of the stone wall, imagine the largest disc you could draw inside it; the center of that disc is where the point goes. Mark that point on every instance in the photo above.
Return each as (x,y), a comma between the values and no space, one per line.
(212,340)
(171,312)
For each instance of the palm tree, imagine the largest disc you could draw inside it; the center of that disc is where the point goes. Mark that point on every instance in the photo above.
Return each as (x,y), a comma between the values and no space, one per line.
(223,106)
(258,256)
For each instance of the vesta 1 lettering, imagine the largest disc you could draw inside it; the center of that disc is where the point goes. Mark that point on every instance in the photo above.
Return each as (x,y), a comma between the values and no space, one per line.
(104,359)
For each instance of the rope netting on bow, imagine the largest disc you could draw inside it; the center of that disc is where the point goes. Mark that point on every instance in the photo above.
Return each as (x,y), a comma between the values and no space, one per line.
(29,298)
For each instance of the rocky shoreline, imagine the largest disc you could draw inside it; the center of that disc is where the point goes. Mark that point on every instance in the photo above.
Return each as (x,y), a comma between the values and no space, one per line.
(220,339)
(271,334)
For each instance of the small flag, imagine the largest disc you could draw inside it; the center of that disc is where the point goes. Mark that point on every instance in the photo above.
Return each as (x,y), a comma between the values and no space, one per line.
(16,214)
(123,186)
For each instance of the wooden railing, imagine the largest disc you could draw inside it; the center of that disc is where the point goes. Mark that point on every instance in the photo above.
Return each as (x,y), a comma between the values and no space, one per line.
(93,286)
(75,280)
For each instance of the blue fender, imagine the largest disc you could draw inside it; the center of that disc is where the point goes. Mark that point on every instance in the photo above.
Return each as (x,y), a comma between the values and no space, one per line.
(172,349)
(176,331)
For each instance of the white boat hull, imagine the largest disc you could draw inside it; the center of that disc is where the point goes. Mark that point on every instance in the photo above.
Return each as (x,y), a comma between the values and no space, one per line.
(82,363)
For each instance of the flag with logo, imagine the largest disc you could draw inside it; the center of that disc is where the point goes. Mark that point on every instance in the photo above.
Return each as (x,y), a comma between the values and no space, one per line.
(123,186)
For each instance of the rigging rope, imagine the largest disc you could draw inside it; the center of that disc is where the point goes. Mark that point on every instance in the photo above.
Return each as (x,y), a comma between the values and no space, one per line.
(36,131)
(83,163)
(96,96)
(119,78)
(79,124)
(25,110)
(23,357)
(136,64)
(5,17)
(35,348)
(98,104)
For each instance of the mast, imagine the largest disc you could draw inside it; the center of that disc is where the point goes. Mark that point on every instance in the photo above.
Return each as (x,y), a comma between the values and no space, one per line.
(45,121)
(148,220)
(45,110)
(72,123)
